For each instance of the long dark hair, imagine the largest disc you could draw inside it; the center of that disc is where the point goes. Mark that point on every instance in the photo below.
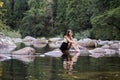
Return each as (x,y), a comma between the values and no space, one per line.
(67,32)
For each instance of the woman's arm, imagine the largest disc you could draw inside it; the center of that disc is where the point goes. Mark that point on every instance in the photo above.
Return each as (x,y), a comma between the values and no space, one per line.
(68,39)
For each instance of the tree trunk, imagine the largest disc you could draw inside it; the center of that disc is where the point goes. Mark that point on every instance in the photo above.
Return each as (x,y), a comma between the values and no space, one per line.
(12,6)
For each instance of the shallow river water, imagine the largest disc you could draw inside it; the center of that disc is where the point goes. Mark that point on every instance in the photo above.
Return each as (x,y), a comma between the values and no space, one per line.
(35,67)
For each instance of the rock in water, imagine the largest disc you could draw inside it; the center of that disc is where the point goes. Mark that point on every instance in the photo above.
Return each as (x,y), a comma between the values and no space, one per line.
(24,51)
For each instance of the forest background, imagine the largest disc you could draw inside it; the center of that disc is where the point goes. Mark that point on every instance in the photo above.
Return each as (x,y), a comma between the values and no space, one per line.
(96,19)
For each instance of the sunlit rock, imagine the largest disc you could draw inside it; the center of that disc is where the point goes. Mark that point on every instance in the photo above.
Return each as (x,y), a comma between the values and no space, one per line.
(115,46)
(110,52)
(24,51)
(58,53)
(100,42)
(119,52)
(83,52)
(86,42)
(28,40)
(97,52)
(54,53)
(17,40)
(4,57)
(42,55)
(40,43)
(56,44)
(6,45)
(105,46)
(54,39)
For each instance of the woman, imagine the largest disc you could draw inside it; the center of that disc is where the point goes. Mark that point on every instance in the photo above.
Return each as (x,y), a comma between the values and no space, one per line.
(69,39)
(66,45)
(69,42)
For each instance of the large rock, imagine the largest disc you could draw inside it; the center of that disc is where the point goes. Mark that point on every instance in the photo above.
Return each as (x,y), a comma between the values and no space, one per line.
(83,52)
(97,52)
(40,43)
(17,40)
(4,57)
(86,42)
(28,40)
(6,45)
(105,46)
(24,51)
(100,42)
(101,52)
(54,53)
(58,53)
(115,46)
(110,52)
(54,39)
(56,44)
(119,52)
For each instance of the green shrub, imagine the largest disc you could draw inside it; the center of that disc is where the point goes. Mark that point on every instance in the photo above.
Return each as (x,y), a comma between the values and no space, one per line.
(6,30)
(12,34)
(83,34)
(107,25)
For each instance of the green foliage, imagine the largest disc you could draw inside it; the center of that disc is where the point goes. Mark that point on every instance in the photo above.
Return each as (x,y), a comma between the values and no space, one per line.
(6,30)
(14,12)
(12,33)
(40,17)
(33,22)
(83,34)
(107,25)
(104,5)
(73,14)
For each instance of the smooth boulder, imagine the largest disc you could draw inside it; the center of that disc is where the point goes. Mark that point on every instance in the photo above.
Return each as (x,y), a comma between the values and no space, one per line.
(24,51)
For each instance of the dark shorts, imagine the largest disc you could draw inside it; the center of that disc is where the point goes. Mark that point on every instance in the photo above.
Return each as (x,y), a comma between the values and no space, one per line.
(64,46)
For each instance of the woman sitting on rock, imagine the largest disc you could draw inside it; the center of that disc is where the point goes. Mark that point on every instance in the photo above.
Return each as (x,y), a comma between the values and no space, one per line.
(66,45)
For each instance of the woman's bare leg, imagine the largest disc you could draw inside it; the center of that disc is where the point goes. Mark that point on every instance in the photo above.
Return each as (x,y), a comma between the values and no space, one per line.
(75,46)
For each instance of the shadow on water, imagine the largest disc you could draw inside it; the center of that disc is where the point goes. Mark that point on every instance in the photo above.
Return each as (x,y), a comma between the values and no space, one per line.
(49,68)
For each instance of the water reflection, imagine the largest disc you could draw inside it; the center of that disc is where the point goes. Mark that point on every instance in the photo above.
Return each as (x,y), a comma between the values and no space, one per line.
(49,68)
(69,61)
(13,70)
(24,58)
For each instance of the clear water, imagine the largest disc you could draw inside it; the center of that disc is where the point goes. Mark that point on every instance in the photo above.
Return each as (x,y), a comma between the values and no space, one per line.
(49,68)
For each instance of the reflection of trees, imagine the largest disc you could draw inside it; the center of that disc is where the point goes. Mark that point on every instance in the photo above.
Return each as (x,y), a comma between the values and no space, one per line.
(56,68)
(14,70)
(105,64)
(0,70)
(40,69)
(83,64)
(89,64)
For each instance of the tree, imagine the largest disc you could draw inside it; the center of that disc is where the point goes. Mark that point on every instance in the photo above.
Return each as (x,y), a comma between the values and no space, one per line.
(73,14)
(34,20)
(14,12)
(106,25)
